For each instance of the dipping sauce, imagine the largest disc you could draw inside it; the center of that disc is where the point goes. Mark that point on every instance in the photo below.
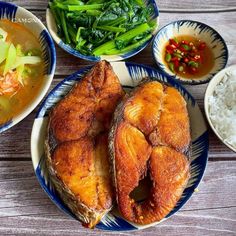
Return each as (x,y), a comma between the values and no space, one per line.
(21,69)
(188,57)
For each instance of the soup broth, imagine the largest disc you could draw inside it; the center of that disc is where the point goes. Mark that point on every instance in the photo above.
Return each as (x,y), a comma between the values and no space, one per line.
(23,93)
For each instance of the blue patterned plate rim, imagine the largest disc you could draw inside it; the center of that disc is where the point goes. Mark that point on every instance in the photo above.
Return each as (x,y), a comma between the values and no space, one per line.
(201,144)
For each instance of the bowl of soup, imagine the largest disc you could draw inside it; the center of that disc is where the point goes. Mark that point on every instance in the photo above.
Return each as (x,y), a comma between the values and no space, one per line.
(27,63)
(190,51)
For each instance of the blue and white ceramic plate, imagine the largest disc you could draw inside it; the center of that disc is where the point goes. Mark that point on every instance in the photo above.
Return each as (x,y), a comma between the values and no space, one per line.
(53,31)
(30,21)
(130,75)
(196,29)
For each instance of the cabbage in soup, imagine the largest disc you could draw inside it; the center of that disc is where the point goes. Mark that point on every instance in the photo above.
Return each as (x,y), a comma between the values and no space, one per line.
(21,69)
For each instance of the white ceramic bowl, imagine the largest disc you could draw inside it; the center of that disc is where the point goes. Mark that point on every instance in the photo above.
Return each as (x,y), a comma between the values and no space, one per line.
(53,31)
(30,21)
(192,28)
(209,92)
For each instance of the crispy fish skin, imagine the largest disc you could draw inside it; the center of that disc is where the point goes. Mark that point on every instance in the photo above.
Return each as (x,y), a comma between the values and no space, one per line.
(159,153)
(77,144)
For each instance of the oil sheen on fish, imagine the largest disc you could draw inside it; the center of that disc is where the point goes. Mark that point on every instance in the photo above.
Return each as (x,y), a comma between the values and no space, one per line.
(77,144)
(150,137)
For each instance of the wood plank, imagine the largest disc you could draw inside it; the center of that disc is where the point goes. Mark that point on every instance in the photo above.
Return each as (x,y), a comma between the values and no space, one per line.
(214,222)
(25,208)
(166,5)
(21,194)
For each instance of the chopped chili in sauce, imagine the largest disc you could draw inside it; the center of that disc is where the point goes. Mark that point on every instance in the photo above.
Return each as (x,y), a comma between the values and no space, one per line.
(188,57)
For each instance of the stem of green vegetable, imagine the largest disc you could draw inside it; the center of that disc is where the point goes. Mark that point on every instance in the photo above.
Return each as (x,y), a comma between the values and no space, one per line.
(111,28)
(126,36)
(129,48)
(85,7)
(64,27)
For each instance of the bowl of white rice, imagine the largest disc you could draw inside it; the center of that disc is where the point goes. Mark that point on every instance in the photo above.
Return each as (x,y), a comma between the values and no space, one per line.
(220,106)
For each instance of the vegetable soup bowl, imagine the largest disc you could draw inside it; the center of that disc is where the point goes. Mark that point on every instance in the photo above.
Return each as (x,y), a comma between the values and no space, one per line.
(52,25)
(27,22)
(200,32)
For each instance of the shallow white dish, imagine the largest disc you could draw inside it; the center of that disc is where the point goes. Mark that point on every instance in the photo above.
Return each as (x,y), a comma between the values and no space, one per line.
(209,92)
(18,14)
(130,75)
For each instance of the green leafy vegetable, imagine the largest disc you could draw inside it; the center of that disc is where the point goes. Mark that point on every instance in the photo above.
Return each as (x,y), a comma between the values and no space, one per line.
(125,37)
(97,27)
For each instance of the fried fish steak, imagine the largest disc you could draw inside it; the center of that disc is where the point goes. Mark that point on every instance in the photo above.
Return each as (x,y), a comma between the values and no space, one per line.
(149,137)
(77,144)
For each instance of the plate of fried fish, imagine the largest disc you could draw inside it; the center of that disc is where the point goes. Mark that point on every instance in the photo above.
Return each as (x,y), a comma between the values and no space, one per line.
(119,146)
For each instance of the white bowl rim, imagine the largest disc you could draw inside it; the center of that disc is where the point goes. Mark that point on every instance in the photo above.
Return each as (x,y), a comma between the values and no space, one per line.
(213,83)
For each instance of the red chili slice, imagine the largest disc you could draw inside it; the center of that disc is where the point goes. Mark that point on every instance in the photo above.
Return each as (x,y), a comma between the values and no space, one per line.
(202,46)
(174,59)
(172,41)
(168,47)
(186,60)
(193,70)
(176,64)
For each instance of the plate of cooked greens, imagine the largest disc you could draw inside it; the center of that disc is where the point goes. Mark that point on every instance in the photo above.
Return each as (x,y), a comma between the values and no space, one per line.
(100,29)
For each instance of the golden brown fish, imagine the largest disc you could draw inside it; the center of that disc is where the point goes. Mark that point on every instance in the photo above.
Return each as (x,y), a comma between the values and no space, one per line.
(149,137)
(77,144)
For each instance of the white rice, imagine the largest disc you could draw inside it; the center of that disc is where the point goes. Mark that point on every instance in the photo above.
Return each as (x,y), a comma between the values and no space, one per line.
(222,109)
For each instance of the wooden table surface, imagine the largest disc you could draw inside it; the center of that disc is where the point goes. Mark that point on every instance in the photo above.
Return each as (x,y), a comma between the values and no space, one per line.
(26,210)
